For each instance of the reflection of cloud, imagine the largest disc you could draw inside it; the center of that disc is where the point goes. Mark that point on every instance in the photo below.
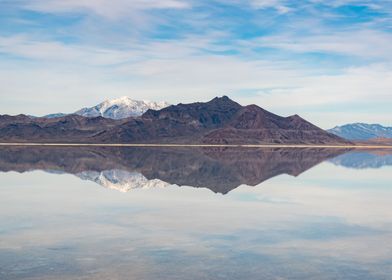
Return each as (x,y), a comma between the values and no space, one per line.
(325,222)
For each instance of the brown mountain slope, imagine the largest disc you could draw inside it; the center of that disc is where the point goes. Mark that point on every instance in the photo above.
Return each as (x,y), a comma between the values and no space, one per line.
(68,129)
(254,125)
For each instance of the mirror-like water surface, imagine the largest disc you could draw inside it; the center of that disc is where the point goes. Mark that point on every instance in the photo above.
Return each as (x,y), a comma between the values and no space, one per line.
(148,213)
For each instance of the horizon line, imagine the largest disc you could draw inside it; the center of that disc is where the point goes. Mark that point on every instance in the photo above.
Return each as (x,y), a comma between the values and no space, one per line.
(198,145)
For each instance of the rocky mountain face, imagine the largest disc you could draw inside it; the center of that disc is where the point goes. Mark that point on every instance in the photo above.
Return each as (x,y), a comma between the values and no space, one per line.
(254,125)
(182,123)
(219,121)
(362,131)
(67,129)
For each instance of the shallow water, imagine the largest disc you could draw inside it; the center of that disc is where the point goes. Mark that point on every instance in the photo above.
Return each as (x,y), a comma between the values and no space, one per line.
(149,213)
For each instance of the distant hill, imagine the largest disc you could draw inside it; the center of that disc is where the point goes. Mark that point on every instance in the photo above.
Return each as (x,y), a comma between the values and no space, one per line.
(119,108)
(219,121)
(55,115)
(362,131)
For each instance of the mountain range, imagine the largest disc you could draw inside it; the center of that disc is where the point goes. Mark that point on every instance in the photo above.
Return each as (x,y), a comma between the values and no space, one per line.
(218,121)
(362,131)
(119,108)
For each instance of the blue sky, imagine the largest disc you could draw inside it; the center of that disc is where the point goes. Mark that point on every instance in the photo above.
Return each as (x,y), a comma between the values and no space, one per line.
(329,61)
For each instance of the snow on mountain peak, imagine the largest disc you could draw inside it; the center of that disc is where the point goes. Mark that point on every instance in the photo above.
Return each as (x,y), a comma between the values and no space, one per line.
(122,107)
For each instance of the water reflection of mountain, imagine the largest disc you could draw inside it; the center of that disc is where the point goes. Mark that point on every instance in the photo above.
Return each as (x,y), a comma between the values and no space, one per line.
(364,159)
(220,170)
(121,180)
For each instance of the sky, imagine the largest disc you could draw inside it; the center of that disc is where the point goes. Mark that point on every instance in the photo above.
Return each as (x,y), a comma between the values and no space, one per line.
(328,61)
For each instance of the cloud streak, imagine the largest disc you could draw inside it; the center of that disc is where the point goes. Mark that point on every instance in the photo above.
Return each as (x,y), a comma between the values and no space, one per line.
(362,43)
(116,8)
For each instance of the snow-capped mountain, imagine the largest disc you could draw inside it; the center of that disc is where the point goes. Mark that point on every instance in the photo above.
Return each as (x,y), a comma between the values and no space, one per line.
(362,131)
(121,180)
(120,108)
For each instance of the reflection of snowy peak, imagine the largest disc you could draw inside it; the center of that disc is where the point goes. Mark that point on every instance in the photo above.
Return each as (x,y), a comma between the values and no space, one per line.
(121,180)
(120,108)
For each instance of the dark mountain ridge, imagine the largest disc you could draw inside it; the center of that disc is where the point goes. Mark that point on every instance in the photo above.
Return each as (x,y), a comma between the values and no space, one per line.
(219,121)
(67,129)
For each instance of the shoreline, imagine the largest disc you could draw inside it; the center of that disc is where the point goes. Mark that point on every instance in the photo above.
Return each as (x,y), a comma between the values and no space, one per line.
(198,145)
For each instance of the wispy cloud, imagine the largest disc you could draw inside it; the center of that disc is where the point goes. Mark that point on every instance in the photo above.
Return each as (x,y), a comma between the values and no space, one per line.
(279,5)
(54,51)
(114,9)
(363,43)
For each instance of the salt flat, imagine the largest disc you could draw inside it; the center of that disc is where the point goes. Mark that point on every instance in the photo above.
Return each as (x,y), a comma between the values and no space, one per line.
(198,145)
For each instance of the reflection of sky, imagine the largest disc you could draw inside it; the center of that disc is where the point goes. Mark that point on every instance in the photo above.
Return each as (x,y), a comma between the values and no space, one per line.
(318,226)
